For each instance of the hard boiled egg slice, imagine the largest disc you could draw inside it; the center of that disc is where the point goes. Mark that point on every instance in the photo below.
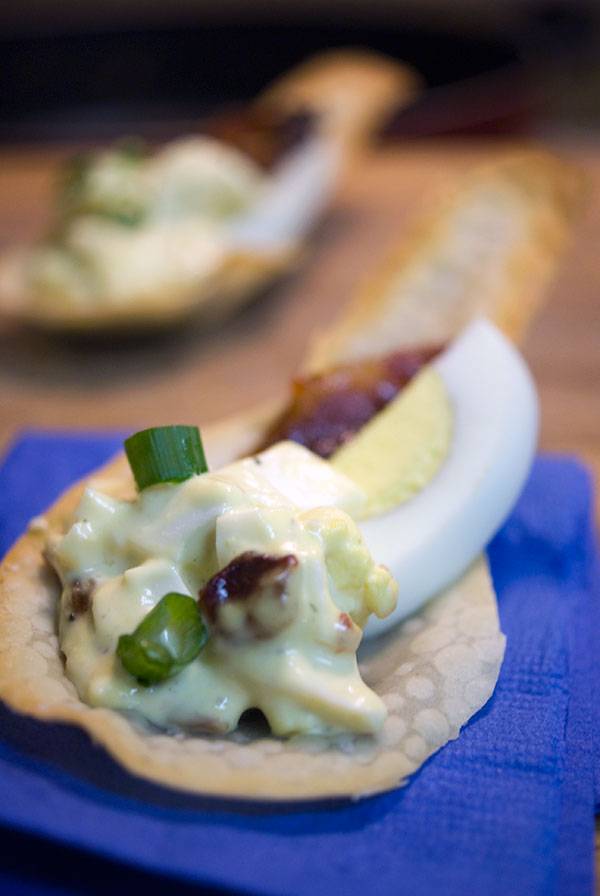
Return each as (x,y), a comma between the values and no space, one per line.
(430,540)
(292,200)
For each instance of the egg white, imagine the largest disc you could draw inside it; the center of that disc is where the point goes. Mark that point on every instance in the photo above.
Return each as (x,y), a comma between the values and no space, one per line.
(429,541)
(291,202)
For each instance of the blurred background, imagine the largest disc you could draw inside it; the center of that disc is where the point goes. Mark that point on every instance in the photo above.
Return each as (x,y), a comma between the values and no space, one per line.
(78,69)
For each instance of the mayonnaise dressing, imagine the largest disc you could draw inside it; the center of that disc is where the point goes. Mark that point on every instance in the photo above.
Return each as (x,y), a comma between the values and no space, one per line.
(102,261)
(119,558)
(139,227)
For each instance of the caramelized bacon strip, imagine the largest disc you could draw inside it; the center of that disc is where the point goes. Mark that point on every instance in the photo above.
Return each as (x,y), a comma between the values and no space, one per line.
(248,598)
(327,409)
(260,134)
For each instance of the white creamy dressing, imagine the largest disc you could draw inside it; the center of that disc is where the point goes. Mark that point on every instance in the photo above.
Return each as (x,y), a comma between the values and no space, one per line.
(174,537)
(184,197)
(116,263)
(201,176)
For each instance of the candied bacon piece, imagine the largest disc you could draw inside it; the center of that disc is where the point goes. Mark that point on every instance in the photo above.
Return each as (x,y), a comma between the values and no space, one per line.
(327,409)
(262,134)
(248,599)
(81,595)
(348,634)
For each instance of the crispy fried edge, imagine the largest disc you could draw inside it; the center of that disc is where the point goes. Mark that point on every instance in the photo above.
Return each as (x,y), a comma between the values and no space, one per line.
(546,194)
(354,89)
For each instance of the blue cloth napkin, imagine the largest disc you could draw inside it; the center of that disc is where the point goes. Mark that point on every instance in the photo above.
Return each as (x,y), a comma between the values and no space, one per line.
(506,808)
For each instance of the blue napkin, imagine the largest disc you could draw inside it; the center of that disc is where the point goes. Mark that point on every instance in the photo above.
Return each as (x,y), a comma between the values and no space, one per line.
(506,808)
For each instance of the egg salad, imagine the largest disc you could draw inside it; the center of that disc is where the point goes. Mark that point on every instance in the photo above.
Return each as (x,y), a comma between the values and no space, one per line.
(244,587)
(250,586)
(131,224)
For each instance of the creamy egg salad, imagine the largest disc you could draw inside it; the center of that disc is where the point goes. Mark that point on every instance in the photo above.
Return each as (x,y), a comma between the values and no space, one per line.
(244,587)
(251,586)
(131,224)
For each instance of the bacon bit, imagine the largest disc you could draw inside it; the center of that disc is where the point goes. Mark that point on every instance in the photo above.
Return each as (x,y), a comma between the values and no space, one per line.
(259,582)
(263,134)
(328,409)
(344,621)
(348,634)
(81,594)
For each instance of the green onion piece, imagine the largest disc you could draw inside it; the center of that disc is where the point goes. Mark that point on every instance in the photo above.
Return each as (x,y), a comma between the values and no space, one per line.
(132,149)
(125,217)
(166,640)
(165,454)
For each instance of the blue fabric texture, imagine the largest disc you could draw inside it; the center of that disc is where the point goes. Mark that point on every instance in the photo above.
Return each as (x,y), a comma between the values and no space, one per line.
(506,808)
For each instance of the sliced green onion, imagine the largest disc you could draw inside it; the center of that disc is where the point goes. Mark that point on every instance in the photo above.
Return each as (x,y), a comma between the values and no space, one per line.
(126,217)
(132,149)
(165,454)
(165,641)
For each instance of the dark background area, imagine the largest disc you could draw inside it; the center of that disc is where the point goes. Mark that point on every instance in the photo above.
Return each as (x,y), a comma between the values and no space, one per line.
(88,70)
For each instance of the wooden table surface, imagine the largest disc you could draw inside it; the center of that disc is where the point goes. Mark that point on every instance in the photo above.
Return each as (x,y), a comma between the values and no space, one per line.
(192,376)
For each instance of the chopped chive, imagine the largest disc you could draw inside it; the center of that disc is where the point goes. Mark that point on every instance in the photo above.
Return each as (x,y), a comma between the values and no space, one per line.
(132,149)
(165,454)
(165,641)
